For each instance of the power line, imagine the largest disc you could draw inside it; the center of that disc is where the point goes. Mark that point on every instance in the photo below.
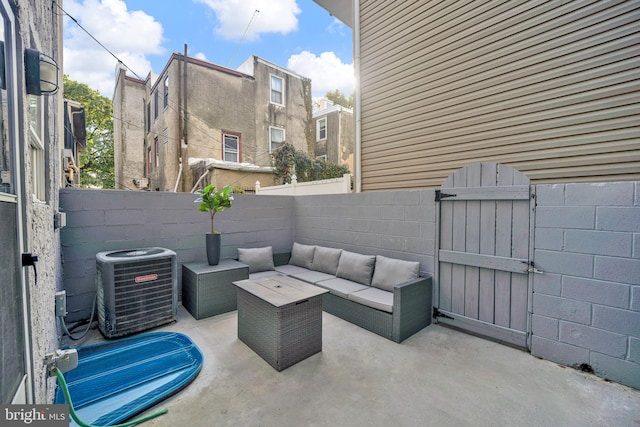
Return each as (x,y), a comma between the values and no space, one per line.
(242,38)
(97,41)
(258,153)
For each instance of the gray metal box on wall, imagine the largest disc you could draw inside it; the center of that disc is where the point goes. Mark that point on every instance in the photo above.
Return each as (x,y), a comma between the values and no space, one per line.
(137,290)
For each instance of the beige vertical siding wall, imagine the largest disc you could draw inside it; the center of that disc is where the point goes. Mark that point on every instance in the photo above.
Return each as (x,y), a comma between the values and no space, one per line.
(549,88)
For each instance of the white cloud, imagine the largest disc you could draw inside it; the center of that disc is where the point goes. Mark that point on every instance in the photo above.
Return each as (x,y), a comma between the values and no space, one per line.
(129,35)
(201,56)
(336,27)
(234,16)
(327,72)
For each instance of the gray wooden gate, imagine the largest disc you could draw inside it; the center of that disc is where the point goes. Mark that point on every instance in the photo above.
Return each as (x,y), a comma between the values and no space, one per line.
(485,219)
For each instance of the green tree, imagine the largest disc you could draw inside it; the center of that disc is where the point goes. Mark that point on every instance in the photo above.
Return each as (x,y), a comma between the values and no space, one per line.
(339,98)
(96,162)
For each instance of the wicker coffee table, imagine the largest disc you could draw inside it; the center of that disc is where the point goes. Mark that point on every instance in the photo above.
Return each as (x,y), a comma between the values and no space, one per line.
(280,318)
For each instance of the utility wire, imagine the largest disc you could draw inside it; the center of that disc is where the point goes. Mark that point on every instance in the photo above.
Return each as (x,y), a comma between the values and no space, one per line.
(243,36)
(258,154)
(97,41)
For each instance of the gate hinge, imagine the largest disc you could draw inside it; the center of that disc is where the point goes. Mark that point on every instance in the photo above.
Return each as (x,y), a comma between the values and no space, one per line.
(440,195)
(437,313)
(532,269)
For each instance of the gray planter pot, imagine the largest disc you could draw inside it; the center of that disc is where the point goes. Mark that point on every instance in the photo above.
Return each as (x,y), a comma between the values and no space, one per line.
(213,248)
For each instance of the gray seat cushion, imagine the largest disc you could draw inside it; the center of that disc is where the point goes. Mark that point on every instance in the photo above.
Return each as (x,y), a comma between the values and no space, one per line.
(312,276)
(302,255)
(262,274)
(258,259)
(326,260)
(291,269)
(374,298)
(390,272)
(356,267)
(341,287)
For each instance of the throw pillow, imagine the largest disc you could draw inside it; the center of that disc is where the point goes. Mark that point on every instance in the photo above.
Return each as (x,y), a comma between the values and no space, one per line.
(326,260)
(390,272)
(302,255)
(356,267)
(258,259)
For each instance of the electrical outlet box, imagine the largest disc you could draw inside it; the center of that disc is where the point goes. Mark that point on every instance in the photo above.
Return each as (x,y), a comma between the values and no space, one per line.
(61,303)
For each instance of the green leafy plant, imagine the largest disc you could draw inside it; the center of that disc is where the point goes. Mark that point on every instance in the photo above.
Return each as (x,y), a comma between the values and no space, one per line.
(287,160)
(213,201)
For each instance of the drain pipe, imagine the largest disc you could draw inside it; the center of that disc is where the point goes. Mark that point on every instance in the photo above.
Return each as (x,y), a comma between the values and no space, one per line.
(175,189)
(358,116)
(199,180)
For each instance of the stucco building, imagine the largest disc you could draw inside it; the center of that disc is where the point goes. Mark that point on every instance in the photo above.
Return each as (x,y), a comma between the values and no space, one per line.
(31,172)
(199,122)
(334,134)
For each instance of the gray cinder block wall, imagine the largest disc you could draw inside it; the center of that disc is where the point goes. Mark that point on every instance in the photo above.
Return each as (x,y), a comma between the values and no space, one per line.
(586,305)
(106,220)
(585,308)
(397,224)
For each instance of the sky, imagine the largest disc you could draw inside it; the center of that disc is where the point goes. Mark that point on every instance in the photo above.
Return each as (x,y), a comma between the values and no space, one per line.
(142,34)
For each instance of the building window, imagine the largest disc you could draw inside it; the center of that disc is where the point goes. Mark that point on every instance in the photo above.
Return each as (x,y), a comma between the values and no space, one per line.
(321,129)
(155,105)
(36,146)
(148,117)
(156,152)
(277,90)
(166,91)
(230,148)
(276,138)
(149,161)
(165,136)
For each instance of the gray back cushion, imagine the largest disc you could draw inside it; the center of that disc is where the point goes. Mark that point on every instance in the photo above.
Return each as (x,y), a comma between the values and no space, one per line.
(326,260)
(302,255)
(390,272)
(356,267)
(258,259)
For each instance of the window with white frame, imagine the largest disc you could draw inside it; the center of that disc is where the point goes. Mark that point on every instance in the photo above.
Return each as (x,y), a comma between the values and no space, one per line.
(321,129)
(276,138)
(148,116)
(277,90)
(155,105)
(156,149)
(166,91)
(231,148)
(36,146)
(149,162)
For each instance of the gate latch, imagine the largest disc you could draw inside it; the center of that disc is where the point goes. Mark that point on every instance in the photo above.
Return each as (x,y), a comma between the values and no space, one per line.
(532,269)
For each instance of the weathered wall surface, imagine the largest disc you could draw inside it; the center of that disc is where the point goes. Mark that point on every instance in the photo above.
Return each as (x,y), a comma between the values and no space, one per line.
(128,131)
(39,31)
(586,305)
(108,220)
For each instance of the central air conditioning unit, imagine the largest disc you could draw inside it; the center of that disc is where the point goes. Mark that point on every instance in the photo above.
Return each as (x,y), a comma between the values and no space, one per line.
(137,290)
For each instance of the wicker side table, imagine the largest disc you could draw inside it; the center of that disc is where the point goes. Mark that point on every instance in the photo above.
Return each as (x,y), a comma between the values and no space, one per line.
(207,290)
(280,318)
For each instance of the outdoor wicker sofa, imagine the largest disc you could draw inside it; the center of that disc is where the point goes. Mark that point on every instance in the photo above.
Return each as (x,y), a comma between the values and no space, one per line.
(384,295)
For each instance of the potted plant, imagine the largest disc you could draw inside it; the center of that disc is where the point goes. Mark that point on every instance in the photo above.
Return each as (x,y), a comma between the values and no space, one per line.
(213,201)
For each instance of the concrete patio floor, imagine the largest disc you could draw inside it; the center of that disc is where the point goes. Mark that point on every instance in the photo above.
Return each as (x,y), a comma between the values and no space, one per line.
(438,377)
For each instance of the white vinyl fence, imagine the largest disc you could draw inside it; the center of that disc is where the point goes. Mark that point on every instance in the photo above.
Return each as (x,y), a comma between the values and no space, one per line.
(325,186)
